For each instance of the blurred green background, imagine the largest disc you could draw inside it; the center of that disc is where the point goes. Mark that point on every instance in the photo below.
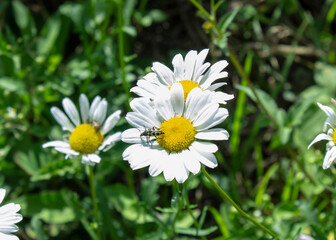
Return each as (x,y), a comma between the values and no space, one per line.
(284,50)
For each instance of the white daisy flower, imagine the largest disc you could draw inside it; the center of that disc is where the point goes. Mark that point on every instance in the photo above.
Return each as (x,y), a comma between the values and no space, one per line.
(88,131)
(191,72)
(167,137)
(8,218)
(330,136)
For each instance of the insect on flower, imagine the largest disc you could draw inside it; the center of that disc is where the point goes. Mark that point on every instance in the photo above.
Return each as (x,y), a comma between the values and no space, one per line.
(153,132)
(96,125)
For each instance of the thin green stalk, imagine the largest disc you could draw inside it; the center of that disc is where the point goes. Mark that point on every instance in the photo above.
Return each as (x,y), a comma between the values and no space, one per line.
(177,192)
(94,200)
(186,197)
(223,194)
(122,51)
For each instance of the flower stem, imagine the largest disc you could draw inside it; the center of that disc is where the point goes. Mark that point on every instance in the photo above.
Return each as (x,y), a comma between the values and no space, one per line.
(94,200)
(121,49)
(186,197)
(223,194)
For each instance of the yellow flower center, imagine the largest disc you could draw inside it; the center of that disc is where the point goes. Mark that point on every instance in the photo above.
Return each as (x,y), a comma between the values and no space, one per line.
(179,133)
(86,138)
(187,85)
(334,136)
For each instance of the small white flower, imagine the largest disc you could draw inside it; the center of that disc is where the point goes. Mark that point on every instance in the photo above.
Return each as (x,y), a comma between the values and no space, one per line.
(87,130)
(8,218)
(177,128)
(191,72)
(330,136)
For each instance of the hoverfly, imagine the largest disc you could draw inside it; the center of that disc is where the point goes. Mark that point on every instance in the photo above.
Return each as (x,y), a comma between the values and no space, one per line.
(153,132)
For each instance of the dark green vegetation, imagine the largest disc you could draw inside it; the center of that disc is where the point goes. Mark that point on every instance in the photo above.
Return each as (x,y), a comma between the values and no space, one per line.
(283,51)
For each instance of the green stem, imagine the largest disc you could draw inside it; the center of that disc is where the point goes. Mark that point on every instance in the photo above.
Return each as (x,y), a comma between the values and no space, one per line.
(177,192)
(94,199)
(240,211)
(122,51)
(186,197)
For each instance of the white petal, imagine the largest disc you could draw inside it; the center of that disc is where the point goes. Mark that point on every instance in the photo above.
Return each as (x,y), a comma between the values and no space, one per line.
(221,97)
(189,62)
(4,236)
(215,86)
(67,151)
(143,107)
(109,141)
(94,106)
(94,158)
(91,159)
(71,110)
(158,164)
(2,194)
(165,75)
(196,100)
(174,168)
(219,117)
(62,119)
(138,156)
(110,122)
(199,66)
(137,120)
(56,144)
(329,158)
(208,159)
(100,113)
(205,146)
(213,134)
(177,99)
(205,114)
(84,107)
(178,64)
(164,108)
(213,74)
(131,135)
(321,136)
(145,88)
(191,162)
(331,115)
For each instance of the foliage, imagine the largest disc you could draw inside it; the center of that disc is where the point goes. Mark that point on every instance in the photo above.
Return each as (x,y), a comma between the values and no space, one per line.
(282,61)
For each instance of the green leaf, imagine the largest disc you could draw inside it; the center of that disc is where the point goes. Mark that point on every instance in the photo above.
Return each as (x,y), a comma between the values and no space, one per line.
(28,162)
(21,14)
(11,85)
(127,203)
(51,31)
(228,19)
(48,206)
(6,66)
(325,75)
(37,226)
(266,100)
(196,232)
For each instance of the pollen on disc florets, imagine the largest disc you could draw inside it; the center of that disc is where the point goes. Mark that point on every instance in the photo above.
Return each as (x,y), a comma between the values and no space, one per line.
(334,136)
(187,85)
(179,133)
(86,138)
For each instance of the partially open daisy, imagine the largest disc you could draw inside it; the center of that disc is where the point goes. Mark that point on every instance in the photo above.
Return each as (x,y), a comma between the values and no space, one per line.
(330,136)
(167,137)
(88,133)
(191,72)
(8,218)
